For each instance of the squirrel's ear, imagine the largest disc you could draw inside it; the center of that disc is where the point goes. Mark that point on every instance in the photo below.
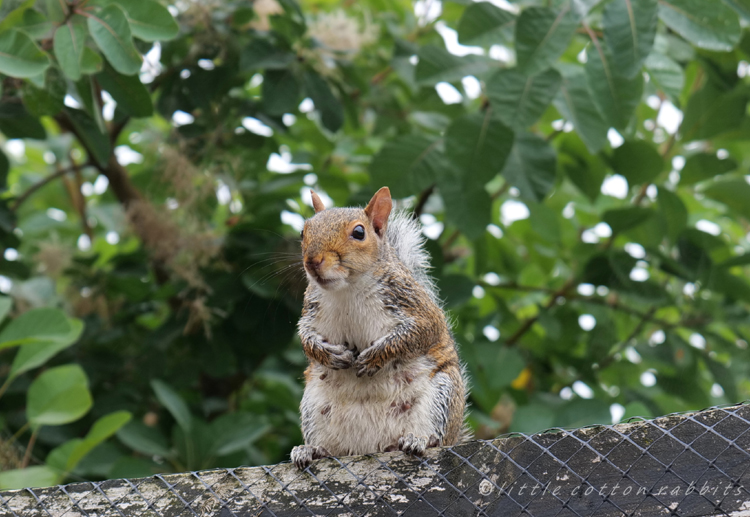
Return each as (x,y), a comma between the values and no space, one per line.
(317,203)
(378,210)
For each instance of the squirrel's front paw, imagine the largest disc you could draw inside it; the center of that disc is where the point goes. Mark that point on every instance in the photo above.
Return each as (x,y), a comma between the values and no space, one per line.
(303,455)
(339,357)
(366,365)
(411,444)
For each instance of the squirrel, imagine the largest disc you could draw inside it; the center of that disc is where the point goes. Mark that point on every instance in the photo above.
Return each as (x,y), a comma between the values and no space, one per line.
(384,373)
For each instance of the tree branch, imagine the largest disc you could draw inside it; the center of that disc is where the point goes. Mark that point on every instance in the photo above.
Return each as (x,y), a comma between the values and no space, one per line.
(36,186)
(526,325)
(422,201)
(645,318)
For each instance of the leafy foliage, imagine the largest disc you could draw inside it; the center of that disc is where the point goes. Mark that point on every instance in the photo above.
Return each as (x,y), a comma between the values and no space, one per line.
(580,173)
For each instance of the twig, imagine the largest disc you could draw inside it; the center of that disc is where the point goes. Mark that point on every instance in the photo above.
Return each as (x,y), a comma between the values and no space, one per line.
(517,287)
(526,325)
(377,78)
(36,186)
(450,240)
(645,318)
(30,447)
(502,190)
(422,201)
(117,129)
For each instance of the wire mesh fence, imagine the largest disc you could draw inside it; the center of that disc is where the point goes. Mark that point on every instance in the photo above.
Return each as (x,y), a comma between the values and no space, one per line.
(687,465)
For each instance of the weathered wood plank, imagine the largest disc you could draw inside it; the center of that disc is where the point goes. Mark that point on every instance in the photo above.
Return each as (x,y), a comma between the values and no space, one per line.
(687,465)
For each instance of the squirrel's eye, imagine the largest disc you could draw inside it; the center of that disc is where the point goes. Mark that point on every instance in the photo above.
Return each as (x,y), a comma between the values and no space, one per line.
(358,232)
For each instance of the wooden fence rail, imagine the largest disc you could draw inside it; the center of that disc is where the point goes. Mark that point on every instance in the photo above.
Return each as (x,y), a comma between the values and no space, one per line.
(687,465)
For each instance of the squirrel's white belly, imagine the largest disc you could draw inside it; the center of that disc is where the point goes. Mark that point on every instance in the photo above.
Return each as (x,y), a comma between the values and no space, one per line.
(353,316)
(350,415)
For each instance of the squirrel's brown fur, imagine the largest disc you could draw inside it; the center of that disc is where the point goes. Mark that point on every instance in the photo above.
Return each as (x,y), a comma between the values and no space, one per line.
(384,372)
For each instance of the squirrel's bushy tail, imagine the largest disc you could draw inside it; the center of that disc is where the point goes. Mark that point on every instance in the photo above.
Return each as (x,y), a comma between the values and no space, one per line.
(405,237)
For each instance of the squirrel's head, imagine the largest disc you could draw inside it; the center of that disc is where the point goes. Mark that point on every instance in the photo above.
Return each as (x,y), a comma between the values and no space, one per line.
(340,245)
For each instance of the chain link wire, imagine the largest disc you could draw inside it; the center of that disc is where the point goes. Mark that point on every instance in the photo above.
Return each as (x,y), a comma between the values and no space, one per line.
(684,464)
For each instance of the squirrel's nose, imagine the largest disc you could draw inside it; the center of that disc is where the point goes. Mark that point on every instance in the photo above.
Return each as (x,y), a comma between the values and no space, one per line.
(314,262)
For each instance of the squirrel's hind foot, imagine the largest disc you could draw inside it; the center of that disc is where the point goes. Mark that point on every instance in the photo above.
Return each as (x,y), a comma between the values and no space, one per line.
(303,455)
(416,445)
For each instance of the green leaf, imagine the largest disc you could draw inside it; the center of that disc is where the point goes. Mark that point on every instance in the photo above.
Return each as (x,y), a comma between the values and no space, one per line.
(149,20)
(708,25)
(542,35)
(407,164)
(128,91)
(330,109)
(732,286)
(54,10)
(102,429)
(111,32)
(741,7)
(544,221)
(90,133)
(483,24)
(455,289)
(638,161)
(493,367)
(68,44)
(36,476)
(174,404)
(734,193)
(740,260)
(437,65)
(47,101)
(519,100)
(34,354)
(6,303)
(144,439)
(711,112)
(15,122)
(91,62)
(621,219)
(19,55)
(703,166)
(587,171)
(14,18)
(280,92)
(234,432)
(582,412)
(724,376)
(574,103)
(261,54)
(57,459)
(629,30)
(531,418)
(58,396)
(531,166)
(480,143)
(666,74)
(4,170)
(42,324)
(35,24)
(467,204)
(673,213)
(614,95)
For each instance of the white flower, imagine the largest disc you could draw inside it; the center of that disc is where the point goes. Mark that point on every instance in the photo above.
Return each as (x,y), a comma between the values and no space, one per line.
(264,9)
(338,33)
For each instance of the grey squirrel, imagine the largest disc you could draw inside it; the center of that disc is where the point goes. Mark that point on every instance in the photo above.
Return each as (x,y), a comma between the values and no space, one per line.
(384,372)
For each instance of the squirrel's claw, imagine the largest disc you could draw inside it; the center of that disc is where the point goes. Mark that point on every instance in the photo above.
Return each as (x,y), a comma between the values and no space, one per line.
(365,364)
(413,445)
(303,455)
(339,358)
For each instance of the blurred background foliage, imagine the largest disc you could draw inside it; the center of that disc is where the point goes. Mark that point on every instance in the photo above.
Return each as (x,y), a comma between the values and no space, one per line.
(578,166)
